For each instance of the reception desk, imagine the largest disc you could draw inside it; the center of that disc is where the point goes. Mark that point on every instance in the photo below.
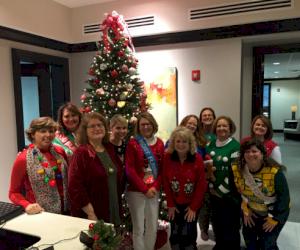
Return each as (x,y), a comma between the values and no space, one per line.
(51,228)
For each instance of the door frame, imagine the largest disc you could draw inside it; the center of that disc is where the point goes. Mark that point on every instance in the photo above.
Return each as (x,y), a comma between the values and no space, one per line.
(258,72)
(27,56)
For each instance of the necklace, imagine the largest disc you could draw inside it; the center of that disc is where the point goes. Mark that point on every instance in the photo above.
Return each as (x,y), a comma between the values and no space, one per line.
(49,173)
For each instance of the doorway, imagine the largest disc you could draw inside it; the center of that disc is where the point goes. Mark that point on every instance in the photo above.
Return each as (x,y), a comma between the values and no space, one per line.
(41,85)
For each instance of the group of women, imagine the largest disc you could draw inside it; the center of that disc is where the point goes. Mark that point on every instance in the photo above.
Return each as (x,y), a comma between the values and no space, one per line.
(82,167)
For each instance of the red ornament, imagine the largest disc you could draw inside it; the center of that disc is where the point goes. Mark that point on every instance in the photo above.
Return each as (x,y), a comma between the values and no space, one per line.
(91,226)
(91,72)
(97,81)
(87,109)
(121,53)
(52,183)
(83,97)
(45,164)
(112,102)
(96,237)
(114,73)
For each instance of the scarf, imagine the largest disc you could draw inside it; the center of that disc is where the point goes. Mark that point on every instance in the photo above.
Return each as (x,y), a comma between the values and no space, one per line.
(46,196)
(250,182)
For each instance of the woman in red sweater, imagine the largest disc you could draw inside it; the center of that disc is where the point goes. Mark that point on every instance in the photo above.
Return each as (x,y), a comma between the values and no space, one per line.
(40,171)
(143,164)
(96,173)
(184,185)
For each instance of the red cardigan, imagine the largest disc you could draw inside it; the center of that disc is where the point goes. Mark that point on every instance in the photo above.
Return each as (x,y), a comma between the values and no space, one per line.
(88,181)
(188,172)
(269,144)
(135,163)
(20,184)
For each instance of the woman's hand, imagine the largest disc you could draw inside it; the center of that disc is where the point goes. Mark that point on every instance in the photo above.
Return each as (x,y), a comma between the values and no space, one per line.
(269,225)
(190,215)
(248,220)
(151,192)
(33,208)
(171,212)
(92,216)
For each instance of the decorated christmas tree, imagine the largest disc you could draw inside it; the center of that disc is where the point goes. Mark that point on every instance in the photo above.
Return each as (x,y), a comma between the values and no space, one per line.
(114,86)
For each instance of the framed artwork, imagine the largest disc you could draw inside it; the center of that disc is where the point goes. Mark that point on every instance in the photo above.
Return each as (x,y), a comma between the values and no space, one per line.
(161,89)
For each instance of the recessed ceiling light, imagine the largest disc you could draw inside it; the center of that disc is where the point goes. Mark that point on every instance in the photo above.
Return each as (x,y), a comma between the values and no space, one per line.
(276,63)
(276,72)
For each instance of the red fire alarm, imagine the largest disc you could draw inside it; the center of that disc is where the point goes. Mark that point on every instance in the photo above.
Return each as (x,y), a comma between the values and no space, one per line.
(196,75)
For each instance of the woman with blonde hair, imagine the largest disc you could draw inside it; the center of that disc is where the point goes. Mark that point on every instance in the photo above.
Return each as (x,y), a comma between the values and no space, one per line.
(39,174)
(118,126)
(184,185)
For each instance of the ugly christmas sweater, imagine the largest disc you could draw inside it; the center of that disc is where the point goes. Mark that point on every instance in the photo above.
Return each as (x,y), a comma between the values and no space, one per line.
(223,155)
(184,183)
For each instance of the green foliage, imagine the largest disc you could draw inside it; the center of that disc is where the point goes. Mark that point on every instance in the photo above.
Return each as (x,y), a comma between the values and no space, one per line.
(104,236)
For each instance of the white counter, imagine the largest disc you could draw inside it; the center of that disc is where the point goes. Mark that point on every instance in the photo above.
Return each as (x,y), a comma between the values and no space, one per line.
(51,228)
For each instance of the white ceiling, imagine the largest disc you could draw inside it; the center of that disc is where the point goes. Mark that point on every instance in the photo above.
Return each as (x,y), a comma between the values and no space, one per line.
(289,66)
(80,3)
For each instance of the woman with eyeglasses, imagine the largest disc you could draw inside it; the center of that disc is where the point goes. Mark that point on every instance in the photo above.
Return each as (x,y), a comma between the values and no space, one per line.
(143,164)
(96,173)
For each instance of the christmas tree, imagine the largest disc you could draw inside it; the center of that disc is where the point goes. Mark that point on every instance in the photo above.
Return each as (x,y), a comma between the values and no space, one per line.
(114,86)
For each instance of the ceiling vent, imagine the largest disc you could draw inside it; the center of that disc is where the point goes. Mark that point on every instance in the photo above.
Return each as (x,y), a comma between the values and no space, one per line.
(136,22)
(238,8)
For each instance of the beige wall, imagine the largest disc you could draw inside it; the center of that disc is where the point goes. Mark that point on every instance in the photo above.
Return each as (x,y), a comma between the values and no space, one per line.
(8,133)
(41,17)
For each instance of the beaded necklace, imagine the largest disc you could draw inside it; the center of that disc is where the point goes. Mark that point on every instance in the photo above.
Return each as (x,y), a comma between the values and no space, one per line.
(49,173)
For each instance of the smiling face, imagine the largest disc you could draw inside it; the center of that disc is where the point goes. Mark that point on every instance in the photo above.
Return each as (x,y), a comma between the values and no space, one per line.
(181,145)
(207,117)
(146,128)
(259,128)
(254,158)
(95,130)
(119,131)
(222,129)
(191,124)
(43,138)
(70,120)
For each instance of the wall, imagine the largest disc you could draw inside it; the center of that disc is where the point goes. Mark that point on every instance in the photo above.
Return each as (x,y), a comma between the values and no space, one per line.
(220,84)
(8,133)
(281,101)
(41,17)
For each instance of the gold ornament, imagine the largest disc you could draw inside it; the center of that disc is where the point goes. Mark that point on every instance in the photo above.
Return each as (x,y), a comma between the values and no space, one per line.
(121,104)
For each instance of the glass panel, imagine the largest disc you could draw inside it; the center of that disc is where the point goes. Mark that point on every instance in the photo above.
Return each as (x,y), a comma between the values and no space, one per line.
(30,99)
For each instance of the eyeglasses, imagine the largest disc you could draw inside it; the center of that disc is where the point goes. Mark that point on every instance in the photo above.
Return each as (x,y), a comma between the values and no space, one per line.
(93,126)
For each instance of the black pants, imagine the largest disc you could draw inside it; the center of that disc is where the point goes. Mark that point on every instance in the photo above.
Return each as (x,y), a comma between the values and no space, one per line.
(257,239)
(183,233)
(226,223)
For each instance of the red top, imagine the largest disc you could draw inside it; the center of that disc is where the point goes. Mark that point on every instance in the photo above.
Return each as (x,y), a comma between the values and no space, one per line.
(20,184)
(179,177)
(88,181)
(269,144)
(136,162)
